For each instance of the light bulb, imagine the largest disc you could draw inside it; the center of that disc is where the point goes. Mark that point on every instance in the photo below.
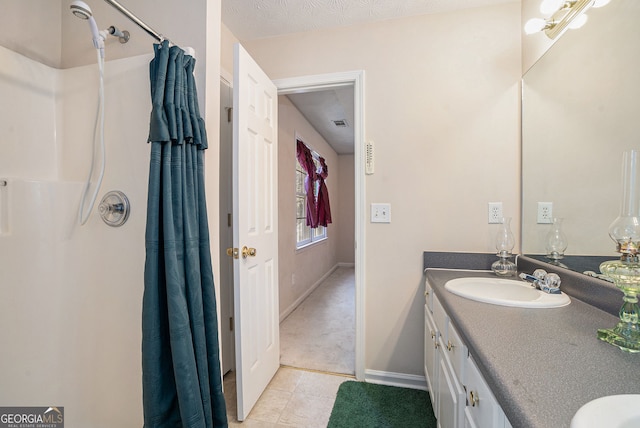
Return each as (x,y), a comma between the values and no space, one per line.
(579,21)
(534,25)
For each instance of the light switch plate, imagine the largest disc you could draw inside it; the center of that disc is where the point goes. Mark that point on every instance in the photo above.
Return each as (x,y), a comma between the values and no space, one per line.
(380,213)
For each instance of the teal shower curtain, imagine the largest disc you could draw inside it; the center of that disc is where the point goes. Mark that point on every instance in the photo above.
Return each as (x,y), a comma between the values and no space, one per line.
(182,385)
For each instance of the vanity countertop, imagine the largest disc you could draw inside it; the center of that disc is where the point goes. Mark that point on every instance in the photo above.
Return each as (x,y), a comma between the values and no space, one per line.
(541,364)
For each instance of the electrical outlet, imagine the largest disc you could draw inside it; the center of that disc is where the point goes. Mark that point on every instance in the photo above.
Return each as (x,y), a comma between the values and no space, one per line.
(545,212)
(495,212)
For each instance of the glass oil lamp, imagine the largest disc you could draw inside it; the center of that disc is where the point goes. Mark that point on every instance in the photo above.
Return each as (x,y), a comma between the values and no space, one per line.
(504,244)
(625,272)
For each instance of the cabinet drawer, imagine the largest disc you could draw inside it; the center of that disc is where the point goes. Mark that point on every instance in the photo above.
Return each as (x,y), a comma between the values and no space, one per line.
(440,317)
(428,295)
(457,351)
(482,407)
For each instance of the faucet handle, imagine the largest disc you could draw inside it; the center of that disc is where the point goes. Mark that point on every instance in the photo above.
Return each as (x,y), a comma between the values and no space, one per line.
(550,284)
(540,274)
(552,280)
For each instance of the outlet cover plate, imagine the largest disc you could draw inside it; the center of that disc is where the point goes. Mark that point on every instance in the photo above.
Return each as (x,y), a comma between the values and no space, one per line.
(545,212)
(495,212)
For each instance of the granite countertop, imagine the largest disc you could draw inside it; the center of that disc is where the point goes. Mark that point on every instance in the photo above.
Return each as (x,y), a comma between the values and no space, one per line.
(541,364)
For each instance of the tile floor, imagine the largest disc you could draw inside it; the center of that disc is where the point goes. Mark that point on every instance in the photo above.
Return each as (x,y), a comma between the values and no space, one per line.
(320,333)
(317,341)
(294,398)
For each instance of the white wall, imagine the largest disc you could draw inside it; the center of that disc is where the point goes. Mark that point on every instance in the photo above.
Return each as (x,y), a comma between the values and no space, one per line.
(345,210)
(442,106)
(33,28)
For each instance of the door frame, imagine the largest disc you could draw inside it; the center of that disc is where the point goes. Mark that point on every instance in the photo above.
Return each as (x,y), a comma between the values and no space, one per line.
(328,81)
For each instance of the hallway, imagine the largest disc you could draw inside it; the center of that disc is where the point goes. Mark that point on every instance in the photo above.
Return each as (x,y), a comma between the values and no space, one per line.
(320,333)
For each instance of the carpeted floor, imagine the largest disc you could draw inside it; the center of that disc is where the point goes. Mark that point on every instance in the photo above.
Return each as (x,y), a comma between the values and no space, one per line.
(360,404)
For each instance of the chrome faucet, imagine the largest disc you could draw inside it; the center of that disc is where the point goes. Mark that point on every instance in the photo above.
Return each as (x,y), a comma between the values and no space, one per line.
(547,282)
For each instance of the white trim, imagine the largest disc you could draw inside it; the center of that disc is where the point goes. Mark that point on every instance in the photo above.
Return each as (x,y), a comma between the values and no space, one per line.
(227,77)
(328,81)
(306,294)
(396,379)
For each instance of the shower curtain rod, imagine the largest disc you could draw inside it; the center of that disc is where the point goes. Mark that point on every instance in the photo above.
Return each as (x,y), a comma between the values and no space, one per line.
(159,37)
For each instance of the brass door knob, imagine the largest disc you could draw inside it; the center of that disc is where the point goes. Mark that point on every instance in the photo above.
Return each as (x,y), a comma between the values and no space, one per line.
(232,252)
(248,252)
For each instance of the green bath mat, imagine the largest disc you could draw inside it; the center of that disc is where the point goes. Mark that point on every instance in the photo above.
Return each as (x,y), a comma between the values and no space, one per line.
(360,404)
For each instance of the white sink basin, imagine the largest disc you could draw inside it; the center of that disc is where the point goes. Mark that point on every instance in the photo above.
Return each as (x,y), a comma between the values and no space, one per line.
(613,411)
(505,292)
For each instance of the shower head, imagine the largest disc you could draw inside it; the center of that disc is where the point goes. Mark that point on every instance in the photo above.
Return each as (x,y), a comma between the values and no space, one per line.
(83,11)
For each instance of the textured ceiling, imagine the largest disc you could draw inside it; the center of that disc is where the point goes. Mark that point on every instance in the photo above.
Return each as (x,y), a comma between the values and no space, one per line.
(321,108)
(253,19)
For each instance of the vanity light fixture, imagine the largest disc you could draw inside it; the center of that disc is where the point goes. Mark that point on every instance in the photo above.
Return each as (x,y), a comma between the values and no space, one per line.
(564,14)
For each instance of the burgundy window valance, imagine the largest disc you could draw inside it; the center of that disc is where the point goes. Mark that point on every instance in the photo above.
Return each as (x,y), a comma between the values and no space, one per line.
(322,205)
(318,208)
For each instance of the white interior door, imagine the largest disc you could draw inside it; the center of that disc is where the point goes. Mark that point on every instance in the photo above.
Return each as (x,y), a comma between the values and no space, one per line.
(255,229)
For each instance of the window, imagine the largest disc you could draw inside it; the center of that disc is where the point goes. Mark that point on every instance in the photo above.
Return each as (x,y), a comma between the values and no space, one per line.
(305,235)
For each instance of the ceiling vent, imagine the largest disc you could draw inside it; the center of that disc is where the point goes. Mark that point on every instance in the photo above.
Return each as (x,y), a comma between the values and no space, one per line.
(340,123)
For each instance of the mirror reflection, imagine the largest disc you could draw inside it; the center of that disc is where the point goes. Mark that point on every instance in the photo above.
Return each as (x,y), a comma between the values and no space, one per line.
(580,112)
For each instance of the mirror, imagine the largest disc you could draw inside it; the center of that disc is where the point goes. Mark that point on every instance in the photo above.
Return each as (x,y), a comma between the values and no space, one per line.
(580,112)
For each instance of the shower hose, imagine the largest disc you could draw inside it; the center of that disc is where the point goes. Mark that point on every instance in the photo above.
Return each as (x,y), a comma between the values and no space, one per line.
(98,128)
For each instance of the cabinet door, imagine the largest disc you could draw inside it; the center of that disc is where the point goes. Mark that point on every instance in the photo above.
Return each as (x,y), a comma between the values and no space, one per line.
(468,419)
(481,405)
(450,394)
(456,350)
(430,357)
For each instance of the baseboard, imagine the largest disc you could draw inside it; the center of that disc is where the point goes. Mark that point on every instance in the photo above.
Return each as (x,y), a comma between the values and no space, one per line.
(396,379)
(310,290)
(345,264)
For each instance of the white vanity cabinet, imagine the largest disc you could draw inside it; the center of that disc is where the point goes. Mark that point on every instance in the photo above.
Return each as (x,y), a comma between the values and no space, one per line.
(482,409)
(431,337)
(459,395)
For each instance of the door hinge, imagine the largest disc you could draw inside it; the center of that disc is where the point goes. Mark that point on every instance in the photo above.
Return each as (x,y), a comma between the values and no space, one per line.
(231,324)
(229,219)
(229,114)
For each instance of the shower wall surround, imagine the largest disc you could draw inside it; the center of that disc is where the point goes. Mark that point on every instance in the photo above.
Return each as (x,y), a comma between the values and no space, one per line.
(71,296)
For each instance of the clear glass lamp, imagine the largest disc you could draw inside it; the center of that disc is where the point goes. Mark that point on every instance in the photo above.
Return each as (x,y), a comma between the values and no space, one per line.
(625,272)
(505,242)
(556,243)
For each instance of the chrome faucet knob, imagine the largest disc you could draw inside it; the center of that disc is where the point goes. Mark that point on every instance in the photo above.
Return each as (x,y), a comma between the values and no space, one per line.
(540,274)
(552,280)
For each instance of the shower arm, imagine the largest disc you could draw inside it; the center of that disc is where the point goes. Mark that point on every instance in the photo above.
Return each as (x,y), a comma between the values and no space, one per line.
(159,37)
